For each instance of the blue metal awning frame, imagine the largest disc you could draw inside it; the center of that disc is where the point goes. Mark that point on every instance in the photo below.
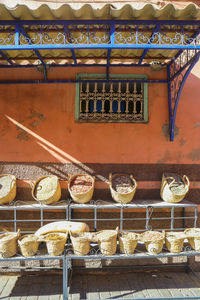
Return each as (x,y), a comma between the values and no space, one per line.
(182,36)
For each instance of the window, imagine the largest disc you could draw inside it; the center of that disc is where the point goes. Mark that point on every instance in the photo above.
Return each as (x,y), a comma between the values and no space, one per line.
(118,101)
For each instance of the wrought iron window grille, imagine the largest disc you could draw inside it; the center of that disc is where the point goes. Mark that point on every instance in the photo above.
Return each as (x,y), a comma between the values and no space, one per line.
(118,101)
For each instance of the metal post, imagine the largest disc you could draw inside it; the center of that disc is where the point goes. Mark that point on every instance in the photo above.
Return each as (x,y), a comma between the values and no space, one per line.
(121,218)
(65,277)
(95,218)
(195,216)
(15,220)
(172,218)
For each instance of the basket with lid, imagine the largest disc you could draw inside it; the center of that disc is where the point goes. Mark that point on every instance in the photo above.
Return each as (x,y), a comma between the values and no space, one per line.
(81,187)
(7,188)
(8,244)
(174,187)
(28,244)
(153,240)
(128,242)
(193,237)
(107,241)
(122,187)
(46,189)
(174,241)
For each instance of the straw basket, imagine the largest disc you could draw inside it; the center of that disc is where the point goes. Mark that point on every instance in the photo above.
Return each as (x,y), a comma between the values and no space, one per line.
(128,242)
(107,241)
(80,243)
(122,187)
(153,240)
(28,244)
(193,236)
(174,241)
(174,188)
(7,188)
(46,189)
(81,187)
(8,244)
(55,243)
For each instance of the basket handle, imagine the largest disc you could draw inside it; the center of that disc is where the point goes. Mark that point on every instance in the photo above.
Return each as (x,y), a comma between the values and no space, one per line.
(186,180)
(173,180)
(110,178)
(134,181)
(32,183)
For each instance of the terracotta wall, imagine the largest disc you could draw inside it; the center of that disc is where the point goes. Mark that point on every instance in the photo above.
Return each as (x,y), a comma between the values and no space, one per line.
(39,136)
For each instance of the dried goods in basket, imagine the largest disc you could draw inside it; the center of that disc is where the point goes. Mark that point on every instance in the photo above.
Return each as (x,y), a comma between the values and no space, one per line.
(174,187)
(122,187)
(7,188)
(81,187)
(8,244)
(193,236)
(153,240)
(46,189)
(107,241)
(28,244)
(81,243)
(174,241)
(63,226)
(128,242)
(55,242)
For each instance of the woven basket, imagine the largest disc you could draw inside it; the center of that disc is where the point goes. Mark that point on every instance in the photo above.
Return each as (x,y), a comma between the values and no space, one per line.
(126,187)
(174,241)
(193,236)
(107,241)
(174,188)
(128,242)
(7,188)
(153,240)
(81,197)
(55,243)
(80,243)
(8,244)
(28,244)
(46,189)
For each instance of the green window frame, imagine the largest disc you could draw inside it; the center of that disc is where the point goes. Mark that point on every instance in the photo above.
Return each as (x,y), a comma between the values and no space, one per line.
(118,102)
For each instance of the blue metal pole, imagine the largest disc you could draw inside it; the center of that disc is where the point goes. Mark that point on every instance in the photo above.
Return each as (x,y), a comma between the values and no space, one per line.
(169,102)
(6,58)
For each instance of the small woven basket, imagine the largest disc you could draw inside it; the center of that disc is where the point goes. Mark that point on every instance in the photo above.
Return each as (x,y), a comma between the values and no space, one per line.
(153,240)
(107,241)
(83,181)
(7,188)
(55,243)
(193,236)
(128,242)
(174,188)
(80,243)
(8,244)
(28,244)
(124,189)
(174,241)
(46,189)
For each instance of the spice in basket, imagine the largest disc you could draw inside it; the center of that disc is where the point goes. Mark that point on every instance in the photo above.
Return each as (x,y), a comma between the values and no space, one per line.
(122,184)
(81,184)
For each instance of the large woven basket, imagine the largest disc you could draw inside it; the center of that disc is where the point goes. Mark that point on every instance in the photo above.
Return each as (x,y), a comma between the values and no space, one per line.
(80,243)
(122,187)
(174,241)
(174,188)
(153,240)
(128,242)
(107,241)
(7,188)
(46,189)
(84,187)
(55,243)
(193,236)
(28,244)
(8,244)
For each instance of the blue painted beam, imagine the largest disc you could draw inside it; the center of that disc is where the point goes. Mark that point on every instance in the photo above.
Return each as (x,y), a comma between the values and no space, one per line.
(146,50)
(6,58)
(112,41)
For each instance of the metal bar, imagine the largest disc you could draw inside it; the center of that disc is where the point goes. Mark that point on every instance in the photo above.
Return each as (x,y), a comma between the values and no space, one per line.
(195,216)
(17,35)
(65,279)
(146,50)
(95,218)
(77,81)
(169,101)
(4,56)
(41,216)
(172,218)
(108,63)
(121,219)
(15,220)
(72,51)
(78,65)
